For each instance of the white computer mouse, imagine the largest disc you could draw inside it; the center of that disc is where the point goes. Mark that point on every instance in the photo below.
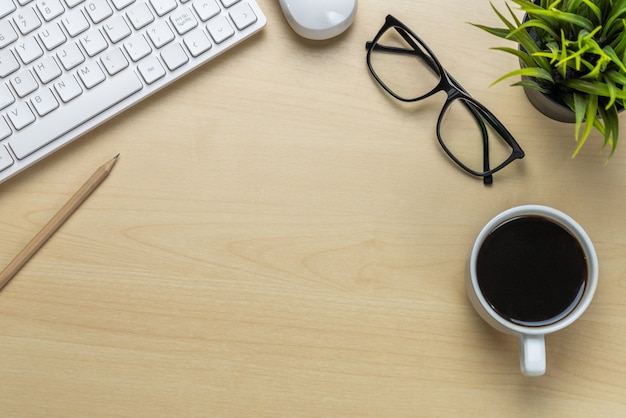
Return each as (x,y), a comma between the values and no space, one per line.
(319,19)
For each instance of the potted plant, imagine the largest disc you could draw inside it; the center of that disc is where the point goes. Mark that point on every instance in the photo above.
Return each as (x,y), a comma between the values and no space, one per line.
(572,56)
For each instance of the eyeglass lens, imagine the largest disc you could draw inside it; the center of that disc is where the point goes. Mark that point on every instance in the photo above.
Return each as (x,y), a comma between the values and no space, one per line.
(466,134)
(403,70)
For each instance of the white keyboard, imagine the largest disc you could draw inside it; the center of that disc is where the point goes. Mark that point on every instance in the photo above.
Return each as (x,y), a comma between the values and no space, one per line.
(67,66)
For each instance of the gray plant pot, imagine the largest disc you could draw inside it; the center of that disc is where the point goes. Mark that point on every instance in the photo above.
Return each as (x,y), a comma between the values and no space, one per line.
(546,105)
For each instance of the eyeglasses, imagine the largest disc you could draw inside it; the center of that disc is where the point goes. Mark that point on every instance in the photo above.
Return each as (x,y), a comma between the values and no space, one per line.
(408,70)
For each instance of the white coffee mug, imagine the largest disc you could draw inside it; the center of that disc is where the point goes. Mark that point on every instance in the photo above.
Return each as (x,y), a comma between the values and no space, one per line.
(531,337)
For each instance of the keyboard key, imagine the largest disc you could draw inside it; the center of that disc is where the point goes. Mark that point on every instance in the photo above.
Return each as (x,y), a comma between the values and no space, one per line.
(163,7)
(151,70)
(137,47)
(139,15)
(93,42)
(68,88)
(7,34)
(24,83)
(44,102)
(197,42)
(50,9)
(174,56)
(160,34)
(242,15)
(98,10)
(8,63)
(52,36)
(70,56)
(120,4)
(116,29)
(228,3)
(6,7)
(47,70)
(5,129)
(6,97)
(91,75)
(20,115)
(6,160)
(206,9)
(72,3)
(220,29)
(28,50)
(114,61)
(183,20)
(27,21)
(75,22)
(77,112)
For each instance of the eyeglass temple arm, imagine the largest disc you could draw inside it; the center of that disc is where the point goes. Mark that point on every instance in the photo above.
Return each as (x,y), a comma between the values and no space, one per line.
(416,51)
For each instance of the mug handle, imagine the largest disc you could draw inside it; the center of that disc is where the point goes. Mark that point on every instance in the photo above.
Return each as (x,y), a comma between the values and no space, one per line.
(532,354)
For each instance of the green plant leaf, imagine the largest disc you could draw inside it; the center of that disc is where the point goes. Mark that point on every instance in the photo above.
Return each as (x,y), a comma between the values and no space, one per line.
(610,121)
(619,44)
(513,15)
(589,37)
(591,113)
(568,6)
(529,6)
(552,56)
(530,83)
(616,77)
(572,18)
(535,72)
(537,24)
(523,38)
(527,59)
(597,69)
(610,52)
(562,64)
(579,108)
(612,93)
(592,6)
(616,11)
(593,88)
(499,32)
(504,20)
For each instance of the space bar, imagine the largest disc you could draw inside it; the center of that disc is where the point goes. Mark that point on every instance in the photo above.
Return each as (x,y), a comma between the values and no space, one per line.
(74,113)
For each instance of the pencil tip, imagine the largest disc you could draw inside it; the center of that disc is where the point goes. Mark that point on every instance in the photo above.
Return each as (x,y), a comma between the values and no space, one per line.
(115,158)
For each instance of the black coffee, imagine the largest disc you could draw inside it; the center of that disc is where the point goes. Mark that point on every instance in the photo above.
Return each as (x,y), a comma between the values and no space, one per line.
(531,270)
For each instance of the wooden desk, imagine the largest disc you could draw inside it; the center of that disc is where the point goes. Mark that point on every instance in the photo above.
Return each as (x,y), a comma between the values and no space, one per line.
(279,238)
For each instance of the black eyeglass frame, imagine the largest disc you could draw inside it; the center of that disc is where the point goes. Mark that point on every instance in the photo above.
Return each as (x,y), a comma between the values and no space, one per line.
(453,90)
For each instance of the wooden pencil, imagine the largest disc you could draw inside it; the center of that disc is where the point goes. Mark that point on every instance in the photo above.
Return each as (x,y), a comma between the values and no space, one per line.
(57,220)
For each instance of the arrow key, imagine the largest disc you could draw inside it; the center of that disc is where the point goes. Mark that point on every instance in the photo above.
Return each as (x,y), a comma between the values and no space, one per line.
(220,29)
(206,9)
(197,42)
(242,15)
